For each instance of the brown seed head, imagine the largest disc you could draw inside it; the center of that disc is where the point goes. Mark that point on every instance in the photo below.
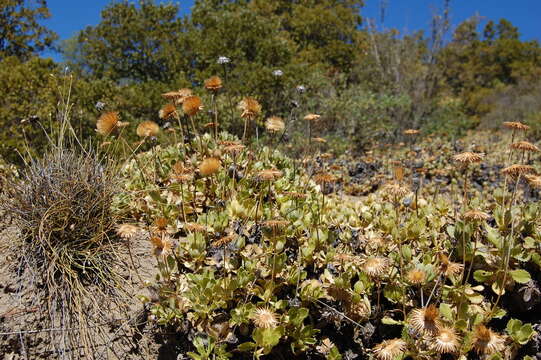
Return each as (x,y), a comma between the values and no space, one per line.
(162,245)
(449,268)
(108,123)
(375,266)
(195,227)
(191,105)
(224,240)
(127,231)
(396,190)
(390,349)
(167,111)
(250,108)
(264,318)
(147,128)
(447,341)
(325,178)
(275,224)
(295,195)
(515,125)
(416,276)
(524,146)
(475,215)
(411,132)
(234,149)
(486,341)
(517,170)
(468,157)
(275,124)
(161,223)
(312,117)
(209,166)
(214,83)
(269,174)
(534,181)
(425,320)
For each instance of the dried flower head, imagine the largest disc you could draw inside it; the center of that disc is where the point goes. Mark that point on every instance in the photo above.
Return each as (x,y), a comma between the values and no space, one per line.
(398,172)
(375,266)
(524,146)
(275,124)
(264,318)
(534,181)
(214,83)
(250,108)
(167,111)
(389,349)
(468,157)
(269,174)
(312,117)
(357,310)
(447,341)
(234,149)
(411,132)
(127,231)
(319,140)
(425,320)
(515,125)
(295,195)
(486,341)
(195,227)
(275,224)
(225,240)
(108,123)
(209,166)
(325,347)
(161,223)
(416,276)
(396,190)
(326,156)
(191,105)
(147,128)
(162,245)
(449,268)
(324,178)
(517,170)
(475,215)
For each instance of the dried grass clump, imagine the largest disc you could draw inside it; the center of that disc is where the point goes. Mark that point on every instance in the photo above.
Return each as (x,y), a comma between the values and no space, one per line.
(68,246)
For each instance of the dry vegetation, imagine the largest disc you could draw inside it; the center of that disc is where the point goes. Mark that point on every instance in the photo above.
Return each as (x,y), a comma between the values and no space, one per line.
(424,250)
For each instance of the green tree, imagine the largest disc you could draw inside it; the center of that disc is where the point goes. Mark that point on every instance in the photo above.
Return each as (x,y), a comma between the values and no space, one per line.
(132,42)
(21,34)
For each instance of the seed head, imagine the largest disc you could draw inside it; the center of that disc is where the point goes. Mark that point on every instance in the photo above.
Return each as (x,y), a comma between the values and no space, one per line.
(375,266)
(389,349)
(250,108)
(269,175)
(275,124)
(515,125)
(214,83)
(324,178)
(468,157)
(517,170)
(447,341)
(147,128)
(264,318)
(534,181)
(191,105)
(449,268)
(416,276)
(312,117)
(195,227)
(127,231)
(411,132)
(223,241)
(524,146)
(295,195)
(486,341)
(475,215)
(396,190)
(425,320)
(167,111)
(209,166)
(162,245)
(108,123)
(275,224)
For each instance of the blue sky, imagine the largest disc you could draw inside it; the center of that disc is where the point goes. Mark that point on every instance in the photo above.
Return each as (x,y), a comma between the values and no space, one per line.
(69,16)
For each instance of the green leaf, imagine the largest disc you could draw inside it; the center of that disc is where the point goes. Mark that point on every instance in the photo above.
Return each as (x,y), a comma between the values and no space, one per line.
(446,311)
(482,275)
(521,276)
(390,321)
